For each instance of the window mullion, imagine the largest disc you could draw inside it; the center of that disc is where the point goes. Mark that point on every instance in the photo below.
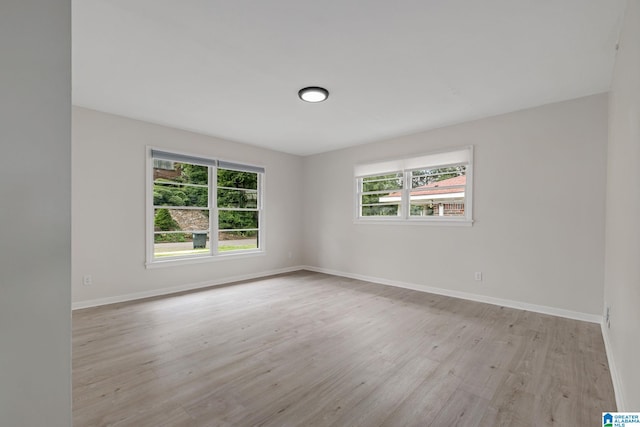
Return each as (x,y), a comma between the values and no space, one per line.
(213,210)
(260,233)
(359,197)
(406,195)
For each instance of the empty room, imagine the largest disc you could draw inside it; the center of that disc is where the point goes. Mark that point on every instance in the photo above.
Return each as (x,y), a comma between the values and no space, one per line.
(294,213)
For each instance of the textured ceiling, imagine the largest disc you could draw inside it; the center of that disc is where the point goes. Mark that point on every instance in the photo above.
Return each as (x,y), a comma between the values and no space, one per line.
(232,69)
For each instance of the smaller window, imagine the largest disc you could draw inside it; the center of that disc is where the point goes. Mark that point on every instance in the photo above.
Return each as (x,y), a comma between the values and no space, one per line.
(432,188)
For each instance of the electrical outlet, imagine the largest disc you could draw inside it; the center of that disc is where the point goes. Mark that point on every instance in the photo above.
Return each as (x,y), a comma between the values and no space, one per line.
(478,276)
(87,280)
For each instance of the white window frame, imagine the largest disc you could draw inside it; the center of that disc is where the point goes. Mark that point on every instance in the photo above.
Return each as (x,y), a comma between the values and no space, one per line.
(213,165)
(405,166)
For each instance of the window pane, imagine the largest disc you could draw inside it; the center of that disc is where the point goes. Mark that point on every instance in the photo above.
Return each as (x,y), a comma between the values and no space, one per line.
(367,199)
(182,184)
(183,173)
(181,220)
(427,209)
(449,208)
(170,244)
(381,204)
(237,240)
(234,179)
(387,210)
(424,177)
(237,220)
(172,194)
(438,192)
(237,198)
(393,181)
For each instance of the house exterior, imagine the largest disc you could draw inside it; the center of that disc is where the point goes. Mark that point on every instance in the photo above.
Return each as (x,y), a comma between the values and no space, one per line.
(165,169)
(442,198)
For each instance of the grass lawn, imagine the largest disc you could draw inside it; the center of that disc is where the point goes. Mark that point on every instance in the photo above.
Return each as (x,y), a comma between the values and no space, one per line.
(222,248)
(235,248)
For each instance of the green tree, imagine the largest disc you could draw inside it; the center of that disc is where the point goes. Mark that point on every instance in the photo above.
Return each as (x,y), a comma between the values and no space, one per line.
(427,176)
(194,174)
(163,221)
(189,188)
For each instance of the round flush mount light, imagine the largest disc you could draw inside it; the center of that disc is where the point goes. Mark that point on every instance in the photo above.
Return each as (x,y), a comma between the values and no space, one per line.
(313,94)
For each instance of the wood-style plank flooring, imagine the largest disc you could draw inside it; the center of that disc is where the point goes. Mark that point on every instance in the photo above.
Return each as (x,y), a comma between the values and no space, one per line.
(308,349)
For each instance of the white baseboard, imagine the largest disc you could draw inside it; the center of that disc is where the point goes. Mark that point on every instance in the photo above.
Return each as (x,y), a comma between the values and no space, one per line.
(615,376)
(181,288)
(592,318)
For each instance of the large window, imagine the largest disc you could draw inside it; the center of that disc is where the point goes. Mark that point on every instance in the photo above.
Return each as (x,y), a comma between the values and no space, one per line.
(200,207)
(432,188)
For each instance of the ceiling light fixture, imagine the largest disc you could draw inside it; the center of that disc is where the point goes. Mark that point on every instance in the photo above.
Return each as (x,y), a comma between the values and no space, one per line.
(313,94)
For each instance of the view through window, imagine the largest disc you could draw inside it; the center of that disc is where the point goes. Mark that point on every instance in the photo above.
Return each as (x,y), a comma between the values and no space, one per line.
(437,190)
(204,207)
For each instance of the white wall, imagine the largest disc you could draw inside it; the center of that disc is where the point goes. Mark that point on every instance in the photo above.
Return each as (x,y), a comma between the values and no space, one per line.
(539,193)
(35,204)
(109,209)
(622,267)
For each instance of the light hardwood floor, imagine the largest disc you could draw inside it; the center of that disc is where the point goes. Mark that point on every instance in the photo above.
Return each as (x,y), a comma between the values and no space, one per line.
(308,349)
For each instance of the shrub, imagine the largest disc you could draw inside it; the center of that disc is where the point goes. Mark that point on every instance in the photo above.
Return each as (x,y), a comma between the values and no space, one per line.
(176,201)
(164,221)
(169,238)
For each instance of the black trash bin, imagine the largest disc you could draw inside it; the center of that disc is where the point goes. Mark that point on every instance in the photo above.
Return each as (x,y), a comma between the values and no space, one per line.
(199,240)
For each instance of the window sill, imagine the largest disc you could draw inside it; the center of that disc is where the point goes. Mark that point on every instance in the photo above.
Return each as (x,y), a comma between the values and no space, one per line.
(419,222)
(202,259)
